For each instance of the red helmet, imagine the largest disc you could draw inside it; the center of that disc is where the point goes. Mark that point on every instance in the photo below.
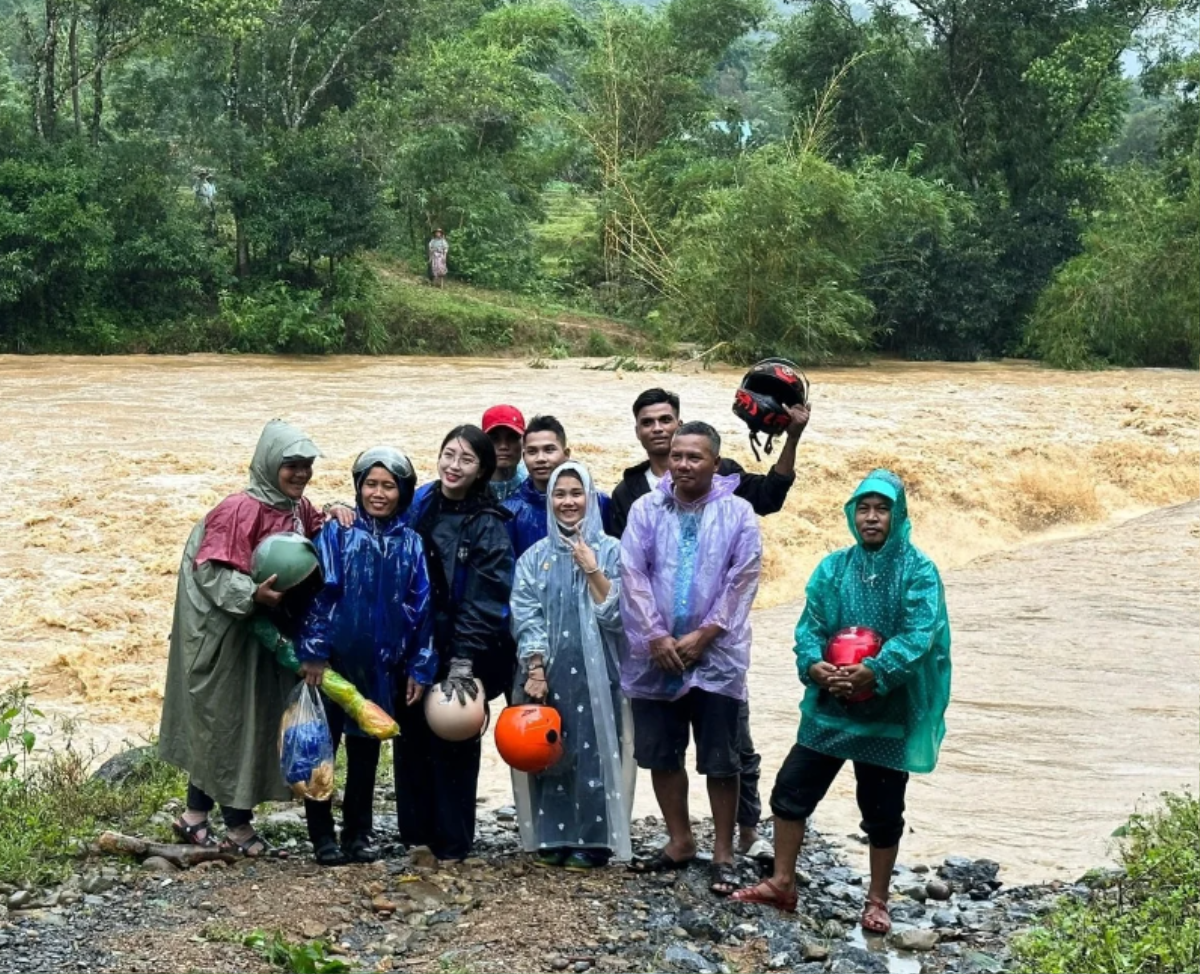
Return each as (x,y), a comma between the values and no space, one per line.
(849,647)
(763,398)
(529,737)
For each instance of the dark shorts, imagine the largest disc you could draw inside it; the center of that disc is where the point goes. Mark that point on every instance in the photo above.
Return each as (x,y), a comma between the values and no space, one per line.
(807,774)
(660,733)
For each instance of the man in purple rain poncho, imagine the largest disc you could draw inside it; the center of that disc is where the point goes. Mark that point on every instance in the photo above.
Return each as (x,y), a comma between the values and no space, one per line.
(690,561)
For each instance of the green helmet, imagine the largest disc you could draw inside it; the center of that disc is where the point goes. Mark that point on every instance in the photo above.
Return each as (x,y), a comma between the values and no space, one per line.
(291,557)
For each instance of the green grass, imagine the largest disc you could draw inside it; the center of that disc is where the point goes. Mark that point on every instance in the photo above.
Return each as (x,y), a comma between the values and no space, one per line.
(1146,923)
(50,807)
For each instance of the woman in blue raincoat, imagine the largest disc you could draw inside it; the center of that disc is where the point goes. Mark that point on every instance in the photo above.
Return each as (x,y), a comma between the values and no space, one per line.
(371,622)
(882,582)
(567,622)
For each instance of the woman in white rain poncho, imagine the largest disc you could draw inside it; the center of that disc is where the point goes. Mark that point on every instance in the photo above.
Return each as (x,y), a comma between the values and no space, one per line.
(567,623)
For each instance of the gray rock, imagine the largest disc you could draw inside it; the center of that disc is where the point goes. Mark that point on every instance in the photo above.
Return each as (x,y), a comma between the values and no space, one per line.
(913,938)
(95,883)
(832,930)
(125,766)
(945,918)
(935,889)
(699,927)
(557,962)
(845,893)
(581,966)
(777,962)
(914,891)
(682,959)
(20,899)
(506,814)
(422,857)
(848,959)
(157,864)
(812,950)
(977,962)
(967,874)
(920,869)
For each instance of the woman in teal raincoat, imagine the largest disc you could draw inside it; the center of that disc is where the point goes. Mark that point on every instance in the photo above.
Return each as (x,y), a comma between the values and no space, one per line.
(882,582)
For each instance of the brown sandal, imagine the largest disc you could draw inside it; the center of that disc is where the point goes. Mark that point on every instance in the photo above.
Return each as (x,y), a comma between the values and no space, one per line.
(190,834)
(875,916)
(776,897)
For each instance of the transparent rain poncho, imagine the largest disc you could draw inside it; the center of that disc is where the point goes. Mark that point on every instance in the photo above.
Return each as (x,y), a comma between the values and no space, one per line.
(586,800)
(898,592)
(683,567)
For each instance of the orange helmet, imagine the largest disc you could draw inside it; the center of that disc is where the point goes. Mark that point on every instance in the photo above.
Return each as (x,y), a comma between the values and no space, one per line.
(529,737)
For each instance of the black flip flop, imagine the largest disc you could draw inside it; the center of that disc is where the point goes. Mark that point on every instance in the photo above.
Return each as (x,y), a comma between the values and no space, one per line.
(723,874)
(660,862)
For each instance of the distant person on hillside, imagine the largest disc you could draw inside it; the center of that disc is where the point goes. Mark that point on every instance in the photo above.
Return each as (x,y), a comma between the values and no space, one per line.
(438,248)
(545,449)
(690,562)
(655,420)
(887,713)
(505,426)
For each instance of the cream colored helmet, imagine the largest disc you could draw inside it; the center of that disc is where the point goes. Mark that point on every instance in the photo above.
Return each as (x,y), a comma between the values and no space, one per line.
(454,721)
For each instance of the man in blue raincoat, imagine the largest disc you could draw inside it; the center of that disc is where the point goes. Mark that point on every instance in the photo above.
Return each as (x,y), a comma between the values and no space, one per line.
(372,623)
(545,450)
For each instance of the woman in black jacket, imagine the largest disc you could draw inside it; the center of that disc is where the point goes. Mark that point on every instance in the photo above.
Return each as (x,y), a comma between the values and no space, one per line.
(471,568)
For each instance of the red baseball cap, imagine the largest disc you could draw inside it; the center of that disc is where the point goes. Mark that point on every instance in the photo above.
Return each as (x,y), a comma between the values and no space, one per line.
(509,416)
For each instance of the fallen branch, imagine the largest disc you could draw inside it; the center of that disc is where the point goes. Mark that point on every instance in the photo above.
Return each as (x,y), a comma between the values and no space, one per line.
(183,856)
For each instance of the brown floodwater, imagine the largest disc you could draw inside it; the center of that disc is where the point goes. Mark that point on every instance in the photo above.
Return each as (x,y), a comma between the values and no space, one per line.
(1075,627)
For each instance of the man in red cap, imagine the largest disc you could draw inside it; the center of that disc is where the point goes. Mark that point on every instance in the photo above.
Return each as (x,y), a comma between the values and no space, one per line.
(505,426)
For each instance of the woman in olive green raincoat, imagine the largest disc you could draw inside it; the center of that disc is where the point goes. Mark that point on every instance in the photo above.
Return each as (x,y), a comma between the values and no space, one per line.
(224,696)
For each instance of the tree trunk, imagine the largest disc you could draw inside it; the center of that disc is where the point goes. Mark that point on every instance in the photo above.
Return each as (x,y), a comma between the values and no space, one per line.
(234,96)
(50,56)
(73,52)
(100,53)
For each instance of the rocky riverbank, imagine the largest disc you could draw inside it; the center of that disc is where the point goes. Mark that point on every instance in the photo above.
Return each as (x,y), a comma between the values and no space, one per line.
(499,913)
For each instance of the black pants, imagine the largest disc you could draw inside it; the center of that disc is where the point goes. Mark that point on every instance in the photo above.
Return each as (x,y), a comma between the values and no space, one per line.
(807,774)
(362,761)
(234,817)
(436,782)
(749,810)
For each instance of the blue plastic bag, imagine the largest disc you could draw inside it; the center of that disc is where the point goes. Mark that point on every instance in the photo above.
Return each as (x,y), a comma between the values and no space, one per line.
(305,745)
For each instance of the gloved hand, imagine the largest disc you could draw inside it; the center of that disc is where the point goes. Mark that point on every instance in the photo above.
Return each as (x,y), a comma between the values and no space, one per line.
(461,680)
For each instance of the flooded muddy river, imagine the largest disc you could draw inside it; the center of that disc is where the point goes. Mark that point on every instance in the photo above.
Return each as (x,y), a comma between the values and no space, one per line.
(1070,698)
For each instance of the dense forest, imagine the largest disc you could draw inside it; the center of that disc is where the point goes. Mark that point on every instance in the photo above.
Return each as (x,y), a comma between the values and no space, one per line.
(952,179)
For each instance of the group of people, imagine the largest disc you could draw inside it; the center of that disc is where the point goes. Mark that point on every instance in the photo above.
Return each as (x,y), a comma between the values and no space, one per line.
(512,575)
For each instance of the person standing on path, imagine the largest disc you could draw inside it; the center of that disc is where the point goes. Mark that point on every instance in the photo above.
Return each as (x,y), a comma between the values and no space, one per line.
(437,250)
(656,418)
(505,427)
(884,583)
(691,557)
(224,697)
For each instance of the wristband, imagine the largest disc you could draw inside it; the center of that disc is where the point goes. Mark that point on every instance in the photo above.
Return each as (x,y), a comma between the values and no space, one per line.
(591,571)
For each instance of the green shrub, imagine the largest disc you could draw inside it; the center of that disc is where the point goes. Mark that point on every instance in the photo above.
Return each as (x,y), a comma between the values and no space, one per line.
(1146,923)
(277,317)
(49,804)
(1133,296)
(423,320)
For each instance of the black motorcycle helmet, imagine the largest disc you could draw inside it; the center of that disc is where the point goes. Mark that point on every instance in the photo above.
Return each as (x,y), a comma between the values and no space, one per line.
(762,401)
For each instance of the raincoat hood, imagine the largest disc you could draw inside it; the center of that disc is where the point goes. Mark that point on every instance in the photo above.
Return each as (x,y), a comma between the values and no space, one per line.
(721,487)
(400,467)
(591,528)
(278,442)
(886,484)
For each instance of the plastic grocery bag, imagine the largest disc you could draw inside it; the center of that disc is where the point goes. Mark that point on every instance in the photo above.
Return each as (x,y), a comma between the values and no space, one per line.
(371,717)
(305,746)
